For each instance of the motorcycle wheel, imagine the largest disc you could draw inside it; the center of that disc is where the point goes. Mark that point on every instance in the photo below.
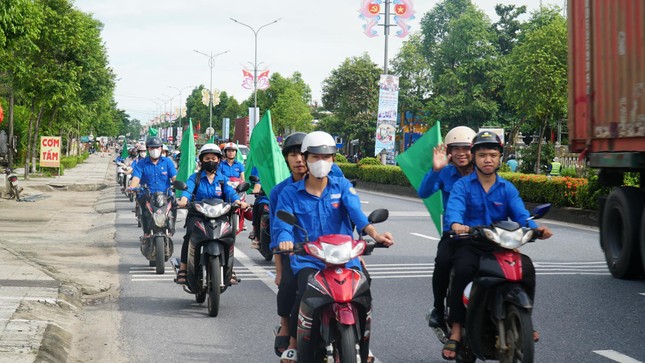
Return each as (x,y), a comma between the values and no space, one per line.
(346,344)
(159,255)
(518,329)
(16,192)
(214,279)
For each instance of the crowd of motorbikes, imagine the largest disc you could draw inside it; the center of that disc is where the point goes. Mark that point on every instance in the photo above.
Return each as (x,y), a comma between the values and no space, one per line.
(335,313)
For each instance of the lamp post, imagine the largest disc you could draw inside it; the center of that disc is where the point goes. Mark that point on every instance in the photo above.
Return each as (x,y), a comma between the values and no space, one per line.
(255,65)
(180,106)
(211,64)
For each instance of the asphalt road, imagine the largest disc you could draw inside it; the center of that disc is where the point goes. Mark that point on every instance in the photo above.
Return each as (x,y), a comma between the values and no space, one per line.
(582,313)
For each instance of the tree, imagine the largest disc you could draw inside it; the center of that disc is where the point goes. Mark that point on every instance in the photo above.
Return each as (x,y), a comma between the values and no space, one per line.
(536,74)
(508,26)
(351,93)
(415,79)
(460,48)
(290,113)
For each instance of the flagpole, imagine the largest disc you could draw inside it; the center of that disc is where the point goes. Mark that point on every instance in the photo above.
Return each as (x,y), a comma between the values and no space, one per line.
(255,65)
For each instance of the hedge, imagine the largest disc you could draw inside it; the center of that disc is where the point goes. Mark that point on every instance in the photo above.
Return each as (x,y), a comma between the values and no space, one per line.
(560,191)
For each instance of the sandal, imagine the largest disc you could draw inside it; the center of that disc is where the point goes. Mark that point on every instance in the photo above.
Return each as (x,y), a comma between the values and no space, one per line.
(281,342)
(182,275)
(234,279)
(290,355)
(536,336)
(451,346)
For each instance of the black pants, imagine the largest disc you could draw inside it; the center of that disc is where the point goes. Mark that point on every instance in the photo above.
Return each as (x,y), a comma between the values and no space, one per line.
(257,217)
(441,272)
(286,289)
(190,225)
(466,264)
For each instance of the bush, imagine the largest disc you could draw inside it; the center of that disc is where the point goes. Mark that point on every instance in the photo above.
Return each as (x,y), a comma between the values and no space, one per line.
(384,174)
(570,172)
(529,157)
(349,169)
(340,158)
(369,161)
(69,162)
(559,191)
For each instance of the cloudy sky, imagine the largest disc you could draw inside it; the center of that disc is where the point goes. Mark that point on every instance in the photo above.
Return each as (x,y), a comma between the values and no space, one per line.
(151,43)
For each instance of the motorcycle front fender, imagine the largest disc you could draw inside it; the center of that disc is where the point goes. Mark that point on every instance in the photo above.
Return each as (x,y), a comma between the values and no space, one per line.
(510,293)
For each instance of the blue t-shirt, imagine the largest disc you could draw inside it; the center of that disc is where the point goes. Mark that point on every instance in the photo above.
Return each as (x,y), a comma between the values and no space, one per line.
(512,164)
(471,206)
(207,190)
(442,180)
(331,213)
(156,177)
(229,171)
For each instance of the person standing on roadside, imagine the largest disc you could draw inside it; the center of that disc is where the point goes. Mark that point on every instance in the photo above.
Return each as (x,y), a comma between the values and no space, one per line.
(451,161)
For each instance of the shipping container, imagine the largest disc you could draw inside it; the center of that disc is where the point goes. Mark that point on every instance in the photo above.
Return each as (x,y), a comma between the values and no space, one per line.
(607,118)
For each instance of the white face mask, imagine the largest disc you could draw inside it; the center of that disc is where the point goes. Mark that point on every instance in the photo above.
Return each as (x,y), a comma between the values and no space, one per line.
(155,153)
(142,154)
(320,168)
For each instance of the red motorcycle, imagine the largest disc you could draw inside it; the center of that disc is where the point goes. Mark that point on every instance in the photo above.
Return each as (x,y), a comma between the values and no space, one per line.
(334,322)
(239,223)
(498,320)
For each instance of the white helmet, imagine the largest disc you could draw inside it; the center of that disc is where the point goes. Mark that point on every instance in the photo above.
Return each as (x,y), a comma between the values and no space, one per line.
(556,159)
(164,147)
(230,146)
(319,142)
(459,136)
(209,149)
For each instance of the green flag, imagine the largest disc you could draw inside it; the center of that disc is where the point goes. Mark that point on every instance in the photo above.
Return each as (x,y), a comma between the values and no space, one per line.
(124,151)
(239,157)
(187,157)
(415,162)
(211,140)
(266,156)
(153,132)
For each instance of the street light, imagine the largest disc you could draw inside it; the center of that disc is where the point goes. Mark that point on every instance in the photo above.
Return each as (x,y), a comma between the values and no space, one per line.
(180,105)
(255,64)
(211,64)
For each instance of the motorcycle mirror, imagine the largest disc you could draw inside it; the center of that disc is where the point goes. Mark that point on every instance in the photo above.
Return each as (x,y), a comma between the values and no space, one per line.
(291,220)
(179,185)
(378,215)
(254,179)
(540,211)
(242,187)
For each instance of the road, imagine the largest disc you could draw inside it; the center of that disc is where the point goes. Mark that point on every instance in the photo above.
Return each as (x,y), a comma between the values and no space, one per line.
(582,313)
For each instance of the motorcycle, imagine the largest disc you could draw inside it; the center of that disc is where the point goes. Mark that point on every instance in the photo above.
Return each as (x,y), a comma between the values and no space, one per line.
(120,173)
(264,230)
(498,320)
(210,252)
(159,247)
(334,323)
(14,189)
(235,182)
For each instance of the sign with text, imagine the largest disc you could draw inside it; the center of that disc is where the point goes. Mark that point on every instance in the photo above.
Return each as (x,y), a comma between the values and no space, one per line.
(387,116)
(50,151)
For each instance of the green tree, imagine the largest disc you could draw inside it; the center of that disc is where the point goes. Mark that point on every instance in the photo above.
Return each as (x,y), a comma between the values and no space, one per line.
(415,79)
(536,74)
(290,113)
(351,93)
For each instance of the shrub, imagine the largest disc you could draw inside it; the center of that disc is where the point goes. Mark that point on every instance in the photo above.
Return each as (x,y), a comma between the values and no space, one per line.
(384,174)
(69,162)
(570,172)
(349,169)
(369,161)
(340,158)
(529,157)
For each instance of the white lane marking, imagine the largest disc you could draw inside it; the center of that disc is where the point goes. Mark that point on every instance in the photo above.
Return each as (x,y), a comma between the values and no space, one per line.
(365,202)
(616,357)
(258,271)
(424,236)
(641,293)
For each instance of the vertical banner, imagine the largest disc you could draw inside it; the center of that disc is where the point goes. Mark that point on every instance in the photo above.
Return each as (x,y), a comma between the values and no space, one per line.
(388,101)
(50,151)
(226,126)
(252,121)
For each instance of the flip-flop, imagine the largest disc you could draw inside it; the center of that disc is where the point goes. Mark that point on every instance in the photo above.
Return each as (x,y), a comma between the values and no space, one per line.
(452,346)
(182,277)
(289,355)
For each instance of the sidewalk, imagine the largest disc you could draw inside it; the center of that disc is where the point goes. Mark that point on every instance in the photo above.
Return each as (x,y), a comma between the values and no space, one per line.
(36,309)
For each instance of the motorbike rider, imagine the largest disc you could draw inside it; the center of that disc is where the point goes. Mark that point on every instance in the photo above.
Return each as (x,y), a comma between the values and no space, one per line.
(451,161)
(164,150)
(322,205)
(481,198)
(204,184)
(157,173)
(256,213)
(231,167)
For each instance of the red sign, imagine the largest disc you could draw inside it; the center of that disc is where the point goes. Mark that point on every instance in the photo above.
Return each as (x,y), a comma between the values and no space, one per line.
(374,8)
(399,8)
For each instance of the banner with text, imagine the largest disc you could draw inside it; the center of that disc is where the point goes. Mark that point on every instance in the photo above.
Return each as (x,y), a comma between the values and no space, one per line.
(388,102)
(50,151)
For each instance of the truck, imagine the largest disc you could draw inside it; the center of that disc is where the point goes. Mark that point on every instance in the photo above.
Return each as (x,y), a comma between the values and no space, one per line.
(606,119)
(241,135)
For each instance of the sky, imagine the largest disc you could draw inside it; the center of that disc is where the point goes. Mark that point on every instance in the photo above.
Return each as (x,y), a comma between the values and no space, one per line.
(151,43)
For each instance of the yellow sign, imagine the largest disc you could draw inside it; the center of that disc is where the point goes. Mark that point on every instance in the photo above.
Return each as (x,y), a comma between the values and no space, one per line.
(50,151)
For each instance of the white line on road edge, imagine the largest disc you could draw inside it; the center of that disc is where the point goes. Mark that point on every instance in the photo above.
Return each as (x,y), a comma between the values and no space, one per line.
(641,293)
(424,236)
(255,269)
(616,357)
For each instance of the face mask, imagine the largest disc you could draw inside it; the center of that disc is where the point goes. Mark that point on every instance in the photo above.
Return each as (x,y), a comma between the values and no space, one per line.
(142,154)
(320,168)
(210,166)
(155,153)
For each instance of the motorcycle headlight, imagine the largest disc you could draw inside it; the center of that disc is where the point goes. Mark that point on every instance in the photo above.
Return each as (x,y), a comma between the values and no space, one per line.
(337,254)
(213,211)
(491,235)
(528,236)
(511,239)
(160,218)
